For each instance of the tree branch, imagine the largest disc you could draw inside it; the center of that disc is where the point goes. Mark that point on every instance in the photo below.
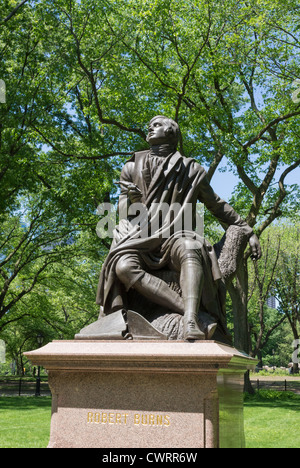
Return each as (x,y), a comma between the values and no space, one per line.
(270,126)
(262,190)
(247,181)
(90,76)
(24,291)
(13,12)
(190,68)
(4,324)
(21,242)
(71,155)
(275,213)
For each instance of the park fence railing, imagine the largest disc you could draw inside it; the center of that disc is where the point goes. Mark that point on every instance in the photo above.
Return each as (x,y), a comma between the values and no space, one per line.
(283,385)
(23,386)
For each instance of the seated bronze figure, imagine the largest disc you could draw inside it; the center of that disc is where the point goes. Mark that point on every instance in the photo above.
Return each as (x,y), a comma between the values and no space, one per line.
(170,275)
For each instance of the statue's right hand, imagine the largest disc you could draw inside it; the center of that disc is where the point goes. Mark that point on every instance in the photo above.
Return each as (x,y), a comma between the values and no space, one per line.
(122,230)
(255,247)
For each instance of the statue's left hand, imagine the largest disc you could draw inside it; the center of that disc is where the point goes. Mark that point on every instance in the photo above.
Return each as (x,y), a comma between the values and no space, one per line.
(255,247)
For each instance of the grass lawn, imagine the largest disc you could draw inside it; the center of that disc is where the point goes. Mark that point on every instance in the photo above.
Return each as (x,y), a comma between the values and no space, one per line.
(271,421)
(24,422)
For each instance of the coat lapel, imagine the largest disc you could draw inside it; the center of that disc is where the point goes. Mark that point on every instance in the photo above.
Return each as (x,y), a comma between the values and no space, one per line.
(161,175)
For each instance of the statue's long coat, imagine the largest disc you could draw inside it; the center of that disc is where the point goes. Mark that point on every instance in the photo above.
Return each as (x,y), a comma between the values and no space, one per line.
(177,180)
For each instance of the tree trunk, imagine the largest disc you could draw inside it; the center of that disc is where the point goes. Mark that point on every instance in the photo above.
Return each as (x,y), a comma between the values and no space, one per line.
(239,296)
(296,350)
(259,356)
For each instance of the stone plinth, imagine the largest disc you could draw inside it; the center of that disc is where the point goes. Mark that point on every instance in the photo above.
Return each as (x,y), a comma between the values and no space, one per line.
(134,394)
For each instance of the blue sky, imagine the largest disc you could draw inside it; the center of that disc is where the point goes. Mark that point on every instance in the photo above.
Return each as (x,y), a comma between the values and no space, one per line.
(224,183)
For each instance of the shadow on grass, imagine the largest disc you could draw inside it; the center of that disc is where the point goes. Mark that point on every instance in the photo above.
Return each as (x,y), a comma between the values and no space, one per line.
(273,399)
(274,404)
(24,403)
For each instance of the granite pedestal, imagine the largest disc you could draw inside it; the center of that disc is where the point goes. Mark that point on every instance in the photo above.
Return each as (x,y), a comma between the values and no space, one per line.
(137,394)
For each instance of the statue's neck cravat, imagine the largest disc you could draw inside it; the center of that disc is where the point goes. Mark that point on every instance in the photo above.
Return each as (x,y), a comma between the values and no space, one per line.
(156,156)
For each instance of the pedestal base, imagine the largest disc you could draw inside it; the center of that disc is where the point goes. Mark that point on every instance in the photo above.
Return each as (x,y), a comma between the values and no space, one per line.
(128,394)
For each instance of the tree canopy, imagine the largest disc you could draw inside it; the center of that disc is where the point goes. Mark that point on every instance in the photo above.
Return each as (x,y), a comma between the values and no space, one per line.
(83,79)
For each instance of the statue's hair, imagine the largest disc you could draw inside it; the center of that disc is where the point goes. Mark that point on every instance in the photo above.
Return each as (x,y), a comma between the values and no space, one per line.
(172,128)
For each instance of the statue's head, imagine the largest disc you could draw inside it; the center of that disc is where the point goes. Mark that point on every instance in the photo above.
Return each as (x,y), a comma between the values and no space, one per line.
(163,130)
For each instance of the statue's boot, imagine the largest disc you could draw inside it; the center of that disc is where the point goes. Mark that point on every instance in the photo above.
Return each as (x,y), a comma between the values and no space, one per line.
(157,291)
(191,281)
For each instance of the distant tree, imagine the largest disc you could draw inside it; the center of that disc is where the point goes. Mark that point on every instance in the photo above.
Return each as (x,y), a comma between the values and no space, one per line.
(287,284)
(263,322)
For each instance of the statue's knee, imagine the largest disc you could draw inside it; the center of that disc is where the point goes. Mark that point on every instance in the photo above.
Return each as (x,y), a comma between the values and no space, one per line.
(128,270)
(192,244)
(190,249)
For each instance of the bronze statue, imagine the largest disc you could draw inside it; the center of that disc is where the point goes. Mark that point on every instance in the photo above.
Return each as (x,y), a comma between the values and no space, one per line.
(170,273)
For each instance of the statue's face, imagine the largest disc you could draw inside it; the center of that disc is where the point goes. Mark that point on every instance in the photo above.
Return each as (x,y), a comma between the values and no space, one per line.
(157,134)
